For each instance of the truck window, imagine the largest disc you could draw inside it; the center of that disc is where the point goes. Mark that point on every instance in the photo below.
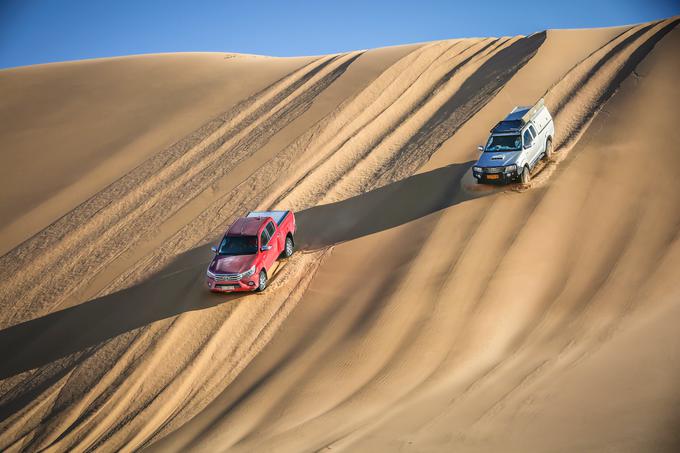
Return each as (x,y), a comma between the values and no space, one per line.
(270,229)
(503,143)
(238,245)
(264,237)
(533,131)
(527,138)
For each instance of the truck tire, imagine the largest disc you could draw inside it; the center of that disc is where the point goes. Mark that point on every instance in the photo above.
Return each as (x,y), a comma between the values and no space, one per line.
(262,280)
(548,150)
(525,178)
(289,247)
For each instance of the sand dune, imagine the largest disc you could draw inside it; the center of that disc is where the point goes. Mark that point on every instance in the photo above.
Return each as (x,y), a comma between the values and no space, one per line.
(417,315)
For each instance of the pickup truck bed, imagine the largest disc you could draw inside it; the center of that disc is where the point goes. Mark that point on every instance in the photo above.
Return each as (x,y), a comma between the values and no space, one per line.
(278,216)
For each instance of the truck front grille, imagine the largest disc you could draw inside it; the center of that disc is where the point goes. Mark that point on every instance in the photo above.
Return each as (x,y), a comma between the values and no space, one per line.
(226,277)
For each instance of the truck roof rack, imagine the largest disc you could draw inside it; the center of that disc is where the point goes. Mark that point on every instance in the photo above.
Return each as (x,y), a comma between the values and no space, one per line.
(518,118)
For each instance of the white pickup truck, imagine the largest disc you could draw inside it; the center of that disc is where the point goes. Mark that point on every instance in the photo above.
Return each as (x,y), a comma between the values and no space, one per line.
(516,145)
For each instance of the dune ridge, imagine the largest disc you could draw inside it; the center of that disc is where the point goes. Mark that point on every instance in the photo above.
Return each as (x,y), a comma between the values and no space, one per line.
(112,342)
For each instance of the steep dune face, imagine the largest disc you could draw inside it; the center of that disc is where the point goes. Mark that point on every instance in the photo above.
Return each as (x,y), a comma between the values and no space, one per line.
(416,315)
(71,129)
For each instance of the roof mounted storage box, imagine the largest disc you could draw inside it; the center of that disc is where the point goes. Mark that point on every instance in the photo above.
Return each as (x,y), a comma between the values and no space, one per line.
(518,118)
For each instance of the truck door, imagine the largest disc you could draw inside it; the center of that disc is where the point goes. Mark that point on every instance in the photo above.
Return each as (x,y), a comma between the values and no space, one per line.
(275,234)
(529,147)
(539,144)
(267,252)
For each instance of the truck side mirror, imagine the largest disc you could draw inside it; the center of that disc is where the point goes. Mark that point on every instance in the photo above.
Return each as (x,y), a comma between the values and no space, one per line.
(214,249)
(480,147)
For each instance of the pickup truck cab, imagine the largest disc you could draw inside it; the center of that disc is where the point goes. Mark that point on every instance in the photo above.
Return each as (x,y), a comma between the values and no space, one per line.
(248,249)
(516,145)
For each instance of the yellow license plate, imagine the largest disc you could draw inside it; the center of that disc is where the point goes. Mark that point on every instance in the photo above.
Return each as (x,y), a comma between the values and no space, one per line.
(492,176)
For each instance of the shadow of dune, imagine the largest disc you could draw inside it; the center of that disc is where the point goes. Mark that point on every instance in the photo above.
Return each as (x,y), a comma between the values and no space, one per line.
(179,286)
(381,209)
(176,289)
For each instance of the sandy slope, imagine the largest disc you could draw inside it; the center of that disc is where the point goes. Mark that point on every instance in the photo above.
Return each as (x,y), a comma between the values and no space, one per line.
(71,129)
(417,315)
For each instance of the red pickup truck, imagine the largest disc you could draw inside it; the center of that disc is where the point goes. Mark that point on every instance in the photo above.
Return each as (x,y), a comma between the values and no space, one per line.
(249,248)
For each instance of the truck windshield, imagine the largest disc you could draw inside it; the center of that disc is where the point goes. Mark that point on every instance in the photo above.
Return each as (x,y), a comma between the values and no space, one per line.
(503,143)
(238,245)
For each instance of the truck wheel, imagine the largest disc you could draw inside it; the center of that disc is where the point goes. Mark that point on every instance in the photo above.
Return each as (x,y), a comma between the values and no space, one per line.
(548,150)
(526,175)
(262,281)
(290,248)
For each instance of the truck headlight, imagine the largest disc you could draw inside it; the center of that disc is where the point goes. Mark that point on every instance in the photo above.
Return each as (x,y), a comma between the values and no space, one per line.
(511,168)
(210,274)
(247,273)
(477,169)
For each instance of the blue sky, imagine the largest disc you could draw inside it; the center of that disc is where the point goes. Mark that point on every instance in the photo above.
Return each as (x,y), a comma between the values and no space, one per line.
(42,31)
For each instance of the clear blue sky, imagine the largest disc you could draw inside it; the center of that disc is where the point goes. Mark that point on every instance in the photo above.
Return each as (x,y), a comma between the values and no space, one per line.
(42,31)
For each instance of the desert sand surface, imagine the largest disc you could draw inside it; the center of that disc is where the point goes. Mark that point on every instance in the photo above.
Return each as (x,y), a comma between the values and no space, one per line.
(418,313)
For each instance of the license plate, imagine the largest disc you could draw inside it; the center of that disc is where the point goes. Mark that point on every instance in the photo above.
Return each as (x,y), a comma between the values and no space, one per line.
(226,287)
(492,176)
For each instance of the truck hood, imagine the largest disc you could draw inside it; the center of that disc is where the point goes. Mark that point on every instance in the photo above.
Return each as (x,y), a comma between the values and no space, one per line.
(231,264)
(499,159)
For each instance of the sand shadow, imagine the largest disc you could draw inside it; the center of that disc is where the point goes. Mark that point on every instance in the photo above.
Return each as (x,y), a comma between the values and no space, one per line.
(176,289)
(179,286)
(383,208)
